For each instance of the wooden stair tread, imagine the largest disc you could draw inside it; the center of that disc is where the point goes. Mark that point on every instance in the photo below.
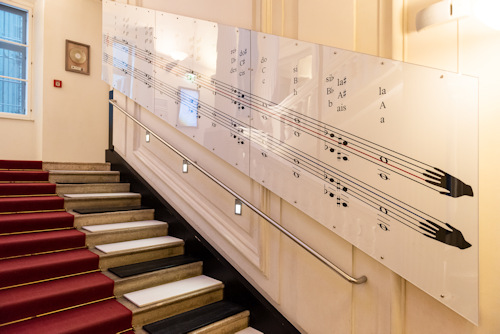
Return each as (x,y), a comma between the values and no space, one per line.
(150,266)
(109,209)
(194,319)
(248,330)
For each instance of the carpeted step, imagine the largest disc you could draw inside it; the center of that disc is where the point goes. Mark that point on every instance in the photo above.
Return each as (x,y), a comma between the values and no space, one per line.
(158,302)
(46,266)
(31,204)
(36,299)
(195,319)
(13,189)
(106,317)
(23,176)
(20,164)
(24,222)
(34,243)
(152,273)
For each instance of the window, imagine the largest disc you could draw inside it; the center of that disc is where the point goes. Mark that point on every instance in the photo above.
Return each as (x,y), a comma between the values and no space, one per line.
(14,60)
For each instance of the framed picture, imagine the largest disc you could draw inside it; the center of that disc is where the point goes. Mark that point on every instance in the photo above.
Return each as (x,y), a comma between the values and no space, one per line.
(77,57)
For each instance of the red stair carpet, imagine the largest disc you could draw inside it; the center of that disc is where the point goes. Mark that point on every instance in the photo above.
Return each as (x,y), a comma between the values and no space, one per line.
(49,281)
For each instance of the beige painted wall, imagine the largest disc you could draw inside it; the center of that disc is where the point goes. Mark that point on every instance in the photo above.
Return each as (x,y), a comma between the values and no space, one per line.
(69,123)
(74,116)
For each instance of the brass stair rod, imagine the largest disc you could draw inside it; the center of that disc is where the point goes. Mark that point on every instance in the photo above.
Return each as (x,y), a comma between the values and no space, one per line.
(320,257)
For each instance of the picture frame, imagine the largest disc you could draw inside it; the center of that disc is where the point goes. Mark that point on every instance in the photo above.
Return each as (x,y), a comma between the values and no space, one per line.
(77,57)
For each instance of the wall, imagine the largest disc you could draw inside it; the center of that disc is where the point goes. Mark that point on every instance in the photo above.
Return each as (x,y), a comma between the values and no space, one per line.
(20,138)
(310,295)
(74,116)
(69,123)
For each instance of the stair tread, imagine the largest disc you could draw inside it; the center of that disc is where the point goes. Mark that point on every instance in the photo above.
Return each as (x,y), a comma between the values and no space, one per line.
(83,172)
(249,330)
(20,164)
(33,243)
(137,244)
(46,266)
(120,226)
(54,165)
(102,195)
(194,319)
(110,209)
(168,291)
(104,317)
(19,204)
(35,221)
(150,266)
(31,300)
(11,189)
(14,175)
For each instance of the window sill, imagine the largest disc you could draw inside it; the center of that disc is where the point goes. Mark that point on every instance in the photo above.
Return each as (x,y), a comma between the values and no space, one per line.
(6,115)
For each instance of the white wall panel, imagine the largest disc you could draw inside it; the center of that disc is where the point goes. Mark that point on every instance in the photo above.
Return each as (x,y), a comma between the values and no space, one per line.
(369,147)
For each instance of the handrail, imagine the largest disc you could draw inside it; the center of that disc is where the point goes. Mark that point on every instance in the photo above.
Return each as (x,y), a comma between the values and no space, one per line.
(320,257)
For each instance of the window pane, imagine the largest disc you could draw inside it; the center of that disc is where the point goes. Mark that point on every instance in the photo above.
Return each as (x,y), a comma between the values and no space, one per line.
(12,60)
(13,24)
(12,96)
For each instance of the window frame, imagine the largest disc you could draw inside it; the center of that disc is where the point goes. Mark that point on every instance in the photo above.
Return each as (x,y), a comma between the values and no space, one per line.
(28,7)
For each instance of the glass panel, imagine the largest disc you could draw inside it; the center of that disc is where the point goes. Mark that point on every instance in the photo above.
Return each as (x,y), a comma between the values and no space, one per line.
(381,152)
(12,61)
(13,24)
(12,96)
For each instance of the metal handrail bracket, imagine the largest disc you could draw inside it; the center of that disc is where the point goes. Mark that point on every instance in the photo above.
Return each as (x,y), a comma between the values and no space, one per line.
(320,257)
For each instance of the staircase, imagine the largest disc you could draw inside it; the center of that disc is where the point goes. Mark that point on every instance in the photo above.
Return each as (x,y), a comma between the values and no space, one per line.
(79,254)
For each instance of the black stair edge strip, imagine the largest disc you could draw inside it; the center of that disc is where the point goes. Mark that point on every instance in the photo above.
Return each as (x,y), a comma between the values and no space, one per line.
(151,266)
(110,209)
(195,319)
(263,315)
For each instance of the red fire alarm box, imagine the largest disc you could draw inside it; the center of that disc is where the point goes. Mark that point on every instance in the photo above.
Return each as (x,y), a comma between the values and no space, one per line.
(58,83)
